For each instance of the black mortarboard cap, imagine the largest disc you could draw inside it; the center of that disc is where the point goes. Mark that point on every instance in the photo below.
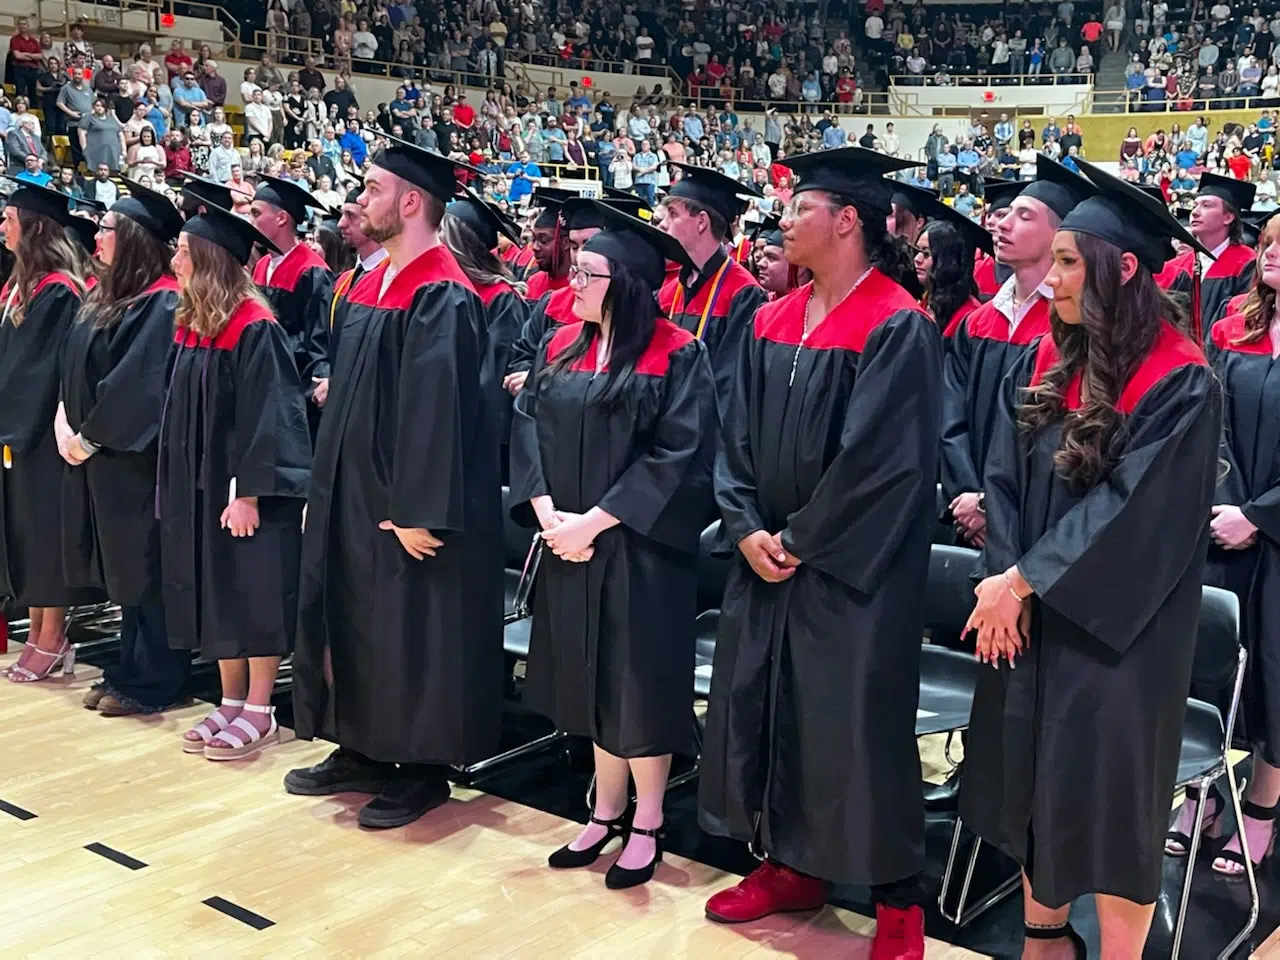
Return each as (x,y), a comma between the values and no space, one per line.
(152,211)
(1253,222)
(1152,191)
(37,199)
(234,234)
(353,195)
(774,150)
(974,233)
(1056,187)
(711,188)
(770,231)
(581,213)
(425,169)
(998,194)
(1236,192)
(289,197)
(636,245)
(95,207)
(84,230)
(847,169)
(550,199)
(919,200)
(1127,218)
(204,191)
(468,207)
(626,196)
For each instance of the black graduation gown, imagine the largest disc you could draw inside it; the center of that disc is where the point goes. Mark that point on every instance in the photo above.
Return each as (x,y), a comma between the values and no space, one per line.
(234,409)
(1251,384)
(842,462)
(113,385)
(505,313)
(300,292)
(728,319)
(1070,758)
(978,357)
(611,653)
(1231,274)
(554,308)
(32,573)
(416,645)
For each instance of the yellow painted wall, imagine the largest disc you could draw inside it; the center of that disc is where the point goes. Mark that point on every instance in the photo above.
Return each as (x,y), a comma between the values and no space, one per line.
(1106,130)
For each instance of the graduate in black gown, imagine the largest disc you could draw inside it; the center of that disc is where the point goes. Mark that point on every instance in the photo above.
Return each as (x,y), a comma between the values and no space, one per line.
(1245,554)
(37,307)
(1098,486)
(113,384)
(550,243)
(826,486)
(912,208)
(612,447)
(1226,268)
(470,229)
(998,196)
(944,256)
(775,274)
(713,297)
(369,253)
(556,307)
(296,281)
(232,479)
(399,655)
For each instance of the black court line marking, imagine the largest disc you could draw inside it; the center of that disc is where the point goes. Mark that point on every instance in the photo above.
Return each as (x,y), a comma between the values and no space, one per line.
(115,856)
(236,912)
(15,811)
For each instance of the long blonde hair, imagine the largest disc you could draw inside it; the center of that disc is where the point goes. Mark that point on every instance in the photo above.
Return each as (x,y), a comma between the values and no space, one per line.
(44,248)
(219,284)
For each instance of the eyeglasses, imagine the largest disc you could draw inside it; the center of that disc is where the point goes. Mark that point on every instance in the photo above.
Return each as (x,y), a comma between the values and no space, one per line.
(581,277)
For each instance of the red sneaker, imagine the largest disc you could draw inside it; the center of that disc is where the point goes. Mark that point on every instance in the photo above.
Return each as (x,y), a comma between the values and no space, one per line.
(770,888)
(899,933)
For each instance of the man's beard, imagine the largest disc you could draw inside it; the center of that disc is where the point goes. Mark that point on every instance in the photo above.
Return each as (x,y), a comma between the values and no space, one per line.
(392,226)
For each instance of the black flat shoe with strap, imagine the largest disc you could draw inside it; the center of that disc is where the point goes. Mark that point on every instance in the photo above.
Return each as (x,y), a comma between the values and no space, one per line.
(1177,843)
(1253,812)
(566,858)
(1064,932)
(622,878)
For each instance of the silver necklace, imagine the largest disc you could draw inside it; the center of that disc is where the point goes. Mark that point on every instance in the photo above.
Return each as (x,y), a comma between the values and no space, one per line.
(805,331)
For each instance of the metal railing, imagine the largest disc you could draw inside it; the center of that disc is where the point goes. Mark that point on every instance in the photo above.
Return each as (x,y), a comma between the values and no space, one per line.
(864,101)
(1132,102)
(1045,78)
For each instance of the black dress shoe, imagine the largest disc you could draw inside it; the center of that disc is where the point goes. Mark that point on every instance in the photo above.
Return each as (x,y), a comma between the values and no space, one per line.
(566,858)
(944,797)
(343,771)
(403,801)
(621,878)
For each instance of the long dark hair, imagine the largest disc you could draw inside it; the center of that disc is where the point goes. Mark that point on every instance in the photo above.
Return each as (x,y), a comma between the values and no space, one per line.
(949,282)
(482,267)
(633,313)
(1119,323)
(337,255)
(140,260)
(44,247)
(889,254)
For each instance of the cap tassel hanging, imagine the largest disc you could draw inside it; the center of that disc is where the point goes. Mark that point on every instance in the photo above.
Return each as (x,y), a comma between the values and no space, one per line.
(1197,320)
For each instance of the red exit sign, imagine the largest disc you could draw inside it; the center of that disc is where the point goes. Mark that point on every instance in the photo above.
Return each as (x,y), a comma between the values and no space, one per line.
(166,21)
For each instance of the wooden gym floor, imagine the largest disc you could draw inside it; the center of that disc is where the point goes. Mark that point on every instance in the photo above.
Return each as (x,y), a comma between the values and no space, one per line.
(113,842)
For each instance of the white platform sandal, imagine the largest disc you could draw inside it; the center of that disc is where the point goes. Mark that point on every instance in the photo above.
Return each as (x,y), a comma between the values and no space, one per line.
(231,743)
(216,720)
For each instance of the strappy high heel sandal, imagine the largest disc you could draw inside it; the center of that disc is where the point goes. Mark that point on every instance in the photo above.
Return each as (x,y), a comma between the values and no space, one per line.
(1253,812)
(566,858)
(210,726)
(623,878)
(1177,843)
(63,659)
(1064,932)
(242,739)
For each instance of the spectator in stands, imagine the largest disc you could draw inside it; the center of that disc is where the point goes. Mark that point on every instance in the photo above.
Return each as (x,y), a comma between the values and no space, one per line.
(74,102)
(1063,60)
(25,51)
(23,141)
(101,137)
(257,119)
(177,61)
(310,76)
(146,157)
(353,143)
(222,157)
(134,126)
(213,85)
(106,81)
(188,96)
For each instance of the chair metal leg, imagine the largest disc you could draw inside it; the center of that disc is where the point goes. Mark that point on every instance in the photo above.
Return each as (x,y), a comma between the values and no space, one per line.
(491,765)
(1203,787)
(1254,906)
(962,917)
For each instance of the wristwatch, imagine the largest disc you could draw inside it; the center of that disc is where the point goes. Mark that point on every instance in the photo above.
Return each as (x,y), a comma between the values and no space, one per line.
(982,503)
(87,445)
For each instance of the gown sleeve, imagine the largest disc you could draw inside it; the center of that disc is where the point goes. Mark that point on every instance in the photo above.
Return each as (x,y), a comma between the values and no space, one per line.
(739,329)
(126,416)
(1159,493)
(505,318)
(527,478)
(30,369)
(1231,487)
(665,494)
(273,450)
(525,346)
(315,298)
(959,472)
(437,402)
(735,471)
(885,470)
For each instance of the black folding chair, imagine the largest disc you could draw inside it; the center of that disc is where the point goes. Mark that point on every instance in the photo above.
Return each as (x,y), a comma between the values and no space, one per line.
(1206,739)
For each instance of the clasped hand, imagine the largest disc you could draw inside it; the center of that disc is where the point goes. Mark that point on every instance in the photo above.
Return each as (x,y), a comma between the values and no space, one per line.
(1003,622)
(418,542)
(1231,529)
(570,536)
(971,522)
(768,557)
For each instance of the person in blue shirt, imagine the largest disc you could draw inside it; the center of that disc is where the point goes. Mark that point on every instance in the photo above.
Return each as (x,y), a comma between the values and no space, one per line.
(918,179)
(1051,129)
(155,116)
(555,140)
(834,136)
(646,174)
(964,201)
(1069,161)
(576,97)
(967,162)
(33,173)
(1003,130)
(524,176)
(1186,157)
(1266,127)
(1182,181)
(352,141)
(946,170)
(693,128)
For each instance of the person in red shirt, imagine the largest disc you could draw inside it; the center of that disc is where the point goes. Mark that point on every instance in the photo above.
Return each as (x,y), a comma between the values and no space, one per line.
(26,54)
(715,69)
(1091,32)
(177,61)
(464,115)
(846,87)
(1239,164)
